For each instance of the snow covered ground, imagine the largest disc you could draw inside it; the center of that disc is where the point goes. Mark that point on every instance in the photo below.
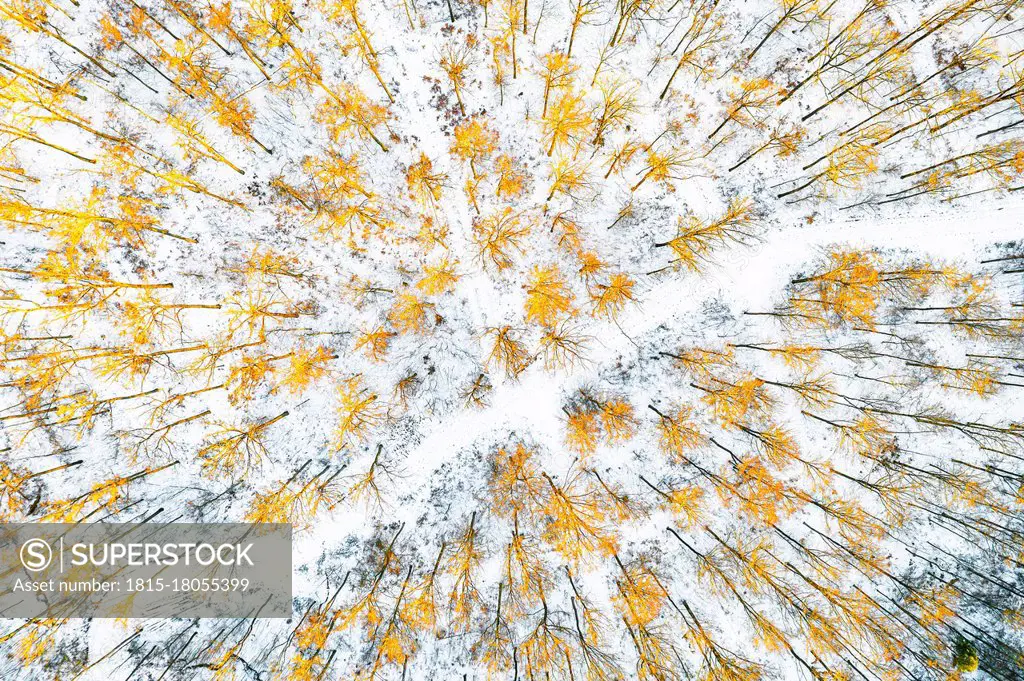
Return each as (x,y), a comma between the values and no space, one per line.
(451,286)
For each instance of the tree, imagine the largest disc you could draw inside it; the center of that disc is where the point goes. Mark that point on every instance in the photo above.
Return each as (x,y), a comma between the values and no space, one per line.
(463,565)
(590,416)
(590,630)
(409,314)
(474,142)
(576,520)
(582,429)
(618,107)
(358,412)
(611,298)
(663,166)
(508,352)
(558,71)
(696,239)
(512,178)
(748,105)
(581,11)
(785,141)
(425,185)
(677,432)
(236,450)
(305,367)
(568,120)
(366,486)
(703,33)
(455,61)
(965,656)
(349,113)
(496,641)
(547,297)
(569,177)
(438,278)
(195,144)
(237,116)
(801,11)
(498,235)
(360,38)
(847,166)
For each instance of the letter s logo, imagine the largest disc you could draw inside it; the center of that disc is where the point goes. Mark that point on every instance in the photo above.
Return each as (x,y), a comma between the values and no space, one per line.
(36,555)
